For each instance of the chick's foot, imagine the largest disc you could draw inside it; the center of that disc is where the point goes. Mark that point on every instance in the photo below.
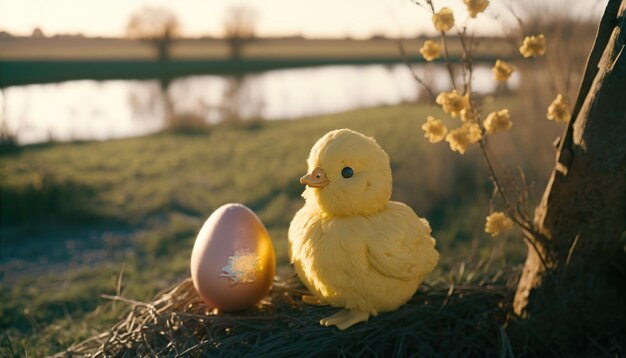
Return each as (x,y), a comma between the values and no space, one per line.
(312,300)
(345,319)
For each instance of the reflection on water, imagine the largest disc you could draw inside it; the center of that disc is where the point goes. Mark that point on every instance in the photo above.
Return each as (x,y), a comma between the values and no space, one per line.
(114,109)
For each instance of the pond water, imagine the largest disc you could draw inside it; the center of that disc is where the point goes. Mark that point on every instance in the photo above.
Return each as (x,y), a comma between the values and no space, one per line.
(100,110)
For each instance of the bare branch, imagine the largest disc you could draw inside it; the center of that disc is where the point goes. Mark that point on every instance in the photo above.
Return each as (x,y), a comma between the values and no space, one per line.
(446,57)
(407,62)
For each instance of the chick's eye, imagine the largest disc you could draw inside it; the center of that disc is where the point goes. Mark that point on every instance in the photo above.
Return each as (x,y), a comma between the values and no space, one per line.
(347,172)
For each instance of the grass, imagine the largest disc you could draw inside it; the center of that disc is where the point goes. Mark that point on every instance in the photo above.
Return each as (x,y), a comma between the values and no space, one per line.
(157,190)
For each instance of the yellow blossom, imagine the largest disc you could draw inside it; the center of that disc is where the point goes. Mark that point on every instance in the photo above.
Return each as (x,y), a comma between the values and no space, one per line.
(452,102)
(444,19)
(499,121)
(476,6)
(533,46)
(431,50)
(467,115)
(473,132)
(463,136)
(502,71)
(559,110)
(498,223)
(434,129)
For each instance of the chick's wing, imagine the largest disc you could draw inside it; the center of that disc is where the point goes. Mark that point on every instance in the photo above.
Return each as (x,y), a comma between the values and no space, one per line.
(403,249)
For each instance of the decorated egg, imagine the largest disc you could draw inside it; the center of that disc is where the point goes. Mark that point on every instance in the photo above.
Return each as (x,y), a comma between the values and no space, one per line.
(233,261)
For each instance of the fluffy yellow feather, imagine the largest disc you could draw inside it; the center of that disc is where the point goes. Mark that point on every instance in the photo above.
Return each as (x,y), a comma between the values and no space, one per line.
(350,245)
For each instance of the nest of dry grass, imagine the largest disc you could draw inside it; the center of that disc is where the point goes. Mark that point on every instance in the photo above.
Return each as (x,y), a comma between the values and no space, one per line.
(446,319)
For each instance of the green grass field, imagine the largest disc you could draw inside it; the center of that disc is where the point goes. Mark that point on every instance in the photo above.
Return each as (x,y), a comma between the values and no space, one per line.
(144,199)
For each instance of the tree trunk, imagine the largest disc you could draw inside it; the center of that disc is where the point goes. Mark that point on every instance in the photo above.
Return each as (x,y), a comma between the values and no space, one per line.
(236,45)
(577,299)
(163,46)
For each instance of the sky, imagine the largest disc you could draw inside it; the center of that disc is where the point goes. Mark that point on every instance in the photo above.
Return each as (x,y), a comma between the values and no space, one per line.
(311,18)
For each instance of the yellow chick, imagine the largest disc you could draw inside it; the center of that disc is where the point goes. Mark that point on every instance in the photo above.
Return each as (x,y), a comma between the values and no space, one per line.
(349,244)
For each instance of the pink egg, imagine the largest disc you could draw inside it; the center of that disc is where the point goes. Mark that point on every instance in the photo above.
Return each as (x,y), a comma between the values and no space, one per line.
(233,261)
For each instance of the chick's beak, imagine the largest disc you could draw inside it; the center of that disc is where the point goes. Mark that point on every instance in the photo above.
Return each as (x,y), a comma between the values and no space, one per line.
(316,179)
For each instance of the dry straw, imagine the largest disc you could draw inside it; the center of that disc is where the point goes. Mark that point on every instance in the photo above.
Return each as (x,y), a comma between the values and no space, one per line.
(445,319)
